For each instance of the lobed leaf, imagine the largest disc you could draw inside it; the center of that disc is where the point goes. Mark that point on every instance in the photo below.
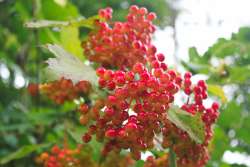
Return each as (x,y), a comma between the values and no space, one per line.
(68,66)
(192,124)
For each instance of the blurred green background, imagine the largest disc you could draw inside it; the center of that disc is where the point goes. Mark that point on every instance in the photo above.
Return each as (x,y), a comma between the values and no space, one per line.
(28,124)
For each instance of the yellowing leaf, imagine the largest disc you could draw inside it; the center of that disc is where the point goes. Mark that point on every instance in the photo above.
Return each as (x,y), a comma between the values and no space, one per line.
(217,91)
(70,41)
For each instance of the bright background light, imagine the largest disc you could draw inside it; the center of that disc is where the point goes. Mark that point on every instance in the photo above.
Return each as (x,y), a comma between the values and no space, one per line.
(200,23)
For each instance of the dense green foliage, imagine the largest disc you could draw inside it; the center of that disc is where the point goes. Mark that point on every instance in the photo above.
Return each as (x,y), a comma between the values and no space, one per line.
(227,65)
(31,124)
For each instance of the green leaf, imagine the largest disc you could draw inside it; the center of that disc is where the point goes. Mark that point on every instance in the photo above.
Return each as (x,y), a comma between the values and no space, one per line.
(231,116)
(70,41)
(22,152)
(192,124)
(195,57)
(80,22)
(52,10)
(172,158)
(217,91)
(76,135)
(239,74)
(225,48)
(196,68)
(68,66)
(139,163)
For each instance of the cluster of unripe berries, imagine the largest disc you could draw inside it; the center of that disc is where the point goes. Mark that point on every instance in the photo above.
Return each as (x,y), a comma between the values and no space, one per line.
(64,90)
(121,44)
(80,157)
(60,158)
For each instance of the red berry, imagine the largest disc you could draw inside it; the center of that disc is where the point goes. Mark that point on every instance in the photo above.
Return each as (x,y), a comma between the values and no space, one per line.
(133,8)
(215,106)
(138,68)
(151,16)
(111,85)
(109,111)
(130,76)
(155,64)
(188,75)
(86,138)
(111,133)
(160,57)
(164,66)
(84,108)
(143,11)
(137,44)
(131,126)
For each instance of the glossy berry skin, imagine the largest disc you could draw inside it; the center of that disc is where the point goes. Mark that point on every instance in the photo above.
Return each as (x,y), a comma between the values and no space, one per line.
(123,44)
(138,91)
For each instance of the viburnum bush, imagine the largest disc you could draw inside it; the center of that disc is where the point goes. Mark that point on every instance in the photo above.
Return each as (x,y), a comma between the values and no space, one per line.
(135,108)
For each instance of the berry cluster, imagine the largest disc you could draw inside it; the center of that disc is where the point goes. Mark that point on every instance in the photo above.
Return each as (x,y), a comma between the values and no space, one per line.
(139,94)
(134,110)
(161,161)
(64,90)
(60,158)
(190,153)
(80,157)
(121,44)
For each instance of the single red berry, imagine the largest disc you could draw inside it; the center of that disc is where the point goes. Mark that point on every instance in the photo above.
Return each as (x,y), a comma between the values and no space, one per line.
(112,99)
(158,72)
(131,126)
(111,85)
(55,149)
(108,75)
(187,91)
(84,108)
(143,11)
(155,64)
(151,16)
(215,106)
(130,76)
(188,75)
(172,73)
(109,111)
(187,82)
(86,138)
(164,66)
(160,57)
(137,44)
(138,68)
(133,8)
(111,133)
(102,83)
(145,76)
